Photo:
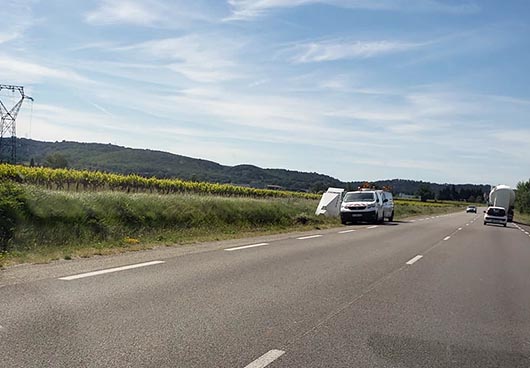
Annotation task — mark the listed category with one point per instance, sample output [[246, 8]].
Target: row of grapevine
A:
[[70, 179]]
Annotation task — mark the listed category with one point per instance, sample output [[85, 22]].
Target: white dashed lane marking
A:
[[346, 231], [309, 237], [415, 259], [266, 359], [246, 246], [109, 270]]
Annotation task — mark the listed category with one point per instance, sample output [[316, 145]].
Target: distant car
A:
[[495, 215], [471, 209]]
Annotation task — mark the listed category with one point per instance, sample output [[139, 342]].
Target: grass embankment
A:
[[522, 218], [48, 224], [406, 208], [51, 224]]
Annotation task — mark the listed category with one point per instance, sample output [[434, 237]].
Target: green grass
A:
[[60, 224], [55, 224], [409, 209], [523, 218]]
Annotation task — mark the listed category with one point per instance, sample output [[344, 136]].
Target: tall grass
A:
[[58, 218]]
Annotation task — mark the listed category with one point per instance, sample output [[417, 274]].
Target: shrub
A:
[[12, 207]]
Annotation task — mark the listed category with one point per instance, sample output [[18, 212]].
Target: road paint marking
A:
[[527, 233], [447, 238], [372, 227], [412, 220], [309, 237], [415, 259], [266, 359], [346, 231], [421, 219], [246, 246], [109, 270], [459, 228], [467, 224]]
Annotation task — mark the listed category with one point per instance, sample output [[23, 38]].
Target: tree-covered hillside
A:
[[123, 160]]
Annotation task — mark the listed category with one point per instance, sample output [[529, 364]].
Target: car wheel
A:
[[391, 218], [485, 223], [504, 225]]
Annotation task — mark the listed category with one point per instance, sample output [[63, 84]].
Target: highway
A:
[[440, 291]]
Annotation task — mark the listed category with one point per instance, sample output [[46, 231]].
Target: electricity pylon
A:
[[8, 122]]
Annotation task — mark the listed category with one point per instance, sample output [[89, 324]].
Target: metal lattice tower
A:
[[8, 123]]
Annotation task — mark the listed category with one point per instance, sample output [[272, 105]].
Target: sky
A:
[[434, 90]]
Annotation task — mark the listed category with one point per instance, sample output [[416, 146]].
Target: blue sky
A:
[[432, 90]]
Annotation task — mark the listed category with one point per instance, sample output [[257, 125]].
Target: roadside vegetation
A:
[[522, 202], [44, 222], [49, 214]]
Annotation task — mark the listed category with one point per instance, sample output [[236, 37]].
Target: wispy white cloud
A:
[[331, 50], [201, 58], [21, 71], [248, 9], [153, 13], [125, 11], [18, 17]]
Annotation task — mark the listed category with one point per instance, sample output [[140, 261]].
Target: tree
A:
[[522, 197], [425, 192], [56, 161]]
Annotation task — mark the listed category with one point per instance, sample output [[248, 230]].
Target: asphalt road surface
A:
[[443, 291]]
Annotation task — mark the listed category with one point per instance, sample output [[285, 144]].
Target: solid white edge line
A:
[[346, 231], [109, 270], [372, 227], [415, 259], [447, 238], [266, 359], [309, 237], [246, 246]]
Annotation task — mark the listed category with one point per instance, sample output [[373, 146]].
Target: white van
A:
[[367, 205]]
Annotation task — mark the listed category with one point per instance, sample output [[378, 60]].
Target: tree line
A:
[[522, 197], [451, 193]]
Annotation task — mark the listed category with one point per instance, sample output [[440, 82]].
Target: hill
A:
[[124, 160]]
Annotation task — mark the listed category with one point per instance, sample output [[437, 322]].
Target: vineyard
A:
[[84, 180]]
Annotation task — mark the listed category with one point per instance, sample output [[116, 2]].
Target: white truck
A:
[[503, 196]]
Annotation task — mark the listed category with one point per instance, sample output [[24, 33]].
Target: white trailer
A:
[[330, 203], [503, 196]]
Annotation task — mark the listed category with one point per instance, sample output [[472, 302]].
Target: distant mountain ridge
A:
[[124, 160]]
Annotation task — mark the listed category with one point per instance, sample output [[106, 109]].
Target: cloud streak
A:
[[249, 9], [332, 50], [21, 71], [150, 13], [199, 58], [125, 11]]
